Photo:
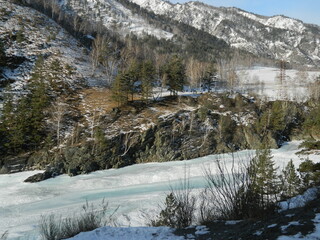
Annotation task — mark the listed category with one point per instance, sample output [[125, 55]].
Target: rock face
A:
[[172, 129], [198, 127]]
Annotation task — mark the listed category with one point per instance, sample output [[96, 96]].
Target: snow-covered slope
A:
[[114, 15], [40, 36], [277, 37]]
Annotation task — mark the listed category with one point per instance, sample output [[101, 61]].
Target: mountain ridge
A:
[[278, 37]]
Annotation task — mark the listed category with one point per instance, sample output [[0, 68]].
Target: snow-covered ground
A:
[[137, 189], [265, 81], [113, 14], [261, 81], [312, 236], [131, 233]]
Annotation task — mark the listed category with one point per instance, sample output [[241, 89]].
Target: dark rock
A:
[[51, 172], [38, 177]]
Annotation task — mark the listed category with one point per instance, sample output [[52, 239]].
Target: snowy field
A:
[[136, 189], [265, 81], [262, 81]]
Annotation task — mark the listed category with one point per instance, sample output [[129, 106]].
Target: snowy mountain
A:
[[28, 34], [276, 37], [114, 15]]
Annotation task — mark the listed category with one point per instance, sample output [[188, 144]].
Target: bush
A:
[[178, 210], [311, 124], [20, 37], [310, 173], [226, 193], [311, 145], [54, 228], [239, 191]]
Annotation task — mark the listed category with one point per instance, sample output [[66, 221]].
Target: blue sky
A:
[[305, 10]]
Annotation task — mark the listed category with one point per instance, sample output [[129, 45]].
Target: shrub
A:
[[178, 210], [311, 124], [20, 37], [310, 173], [54, 228], [311, 145], [2, 54], [239, 191]]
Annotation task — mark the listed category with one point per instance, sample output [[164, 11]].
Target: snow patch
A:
[[130, 233], [300, 200]]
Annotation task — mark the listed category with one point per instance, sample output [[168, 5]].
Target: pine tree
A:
[[6, 122], [290, 181], [208, 78], [2, 54], [310, 173], [55, 75], [38, 100], [274, 118], [120, 88], [23, 121], [263, 175], [38, 71], [175, 74], [100, 139], [133, 78], [20, 36], [167, 216], [147, 79]]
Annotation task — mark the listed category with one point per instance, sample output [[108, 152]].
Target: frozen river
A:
[[137, 190]]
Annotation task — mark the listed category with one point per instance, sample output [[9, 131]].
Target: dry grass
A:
[[97, 98], [54, 227], [100, 99]]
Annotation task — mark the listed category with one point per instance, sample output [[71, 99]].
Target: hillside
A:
[[126, 22], [27, 35], [276, 37], [106, 105]]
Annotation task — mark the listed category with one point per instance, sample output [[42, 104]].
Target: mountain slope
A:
[[28, 34], [112, 14], [276, 37]]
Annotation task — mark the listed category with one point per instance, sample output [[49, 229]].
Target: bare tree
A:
[[59, 111], [129, 140], [105, 52], [221, 197]]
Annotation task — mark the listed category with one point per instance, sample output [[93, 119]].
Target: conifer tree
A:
[[147, 79], [167, 216], [20, 36], [120, 89], [133, 77], [264, 177], [274, 118], [6, 122], [38, 71], [290, 181], [56, 72], [23, 120], [2, 54], [208, 78], [175, 74]]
